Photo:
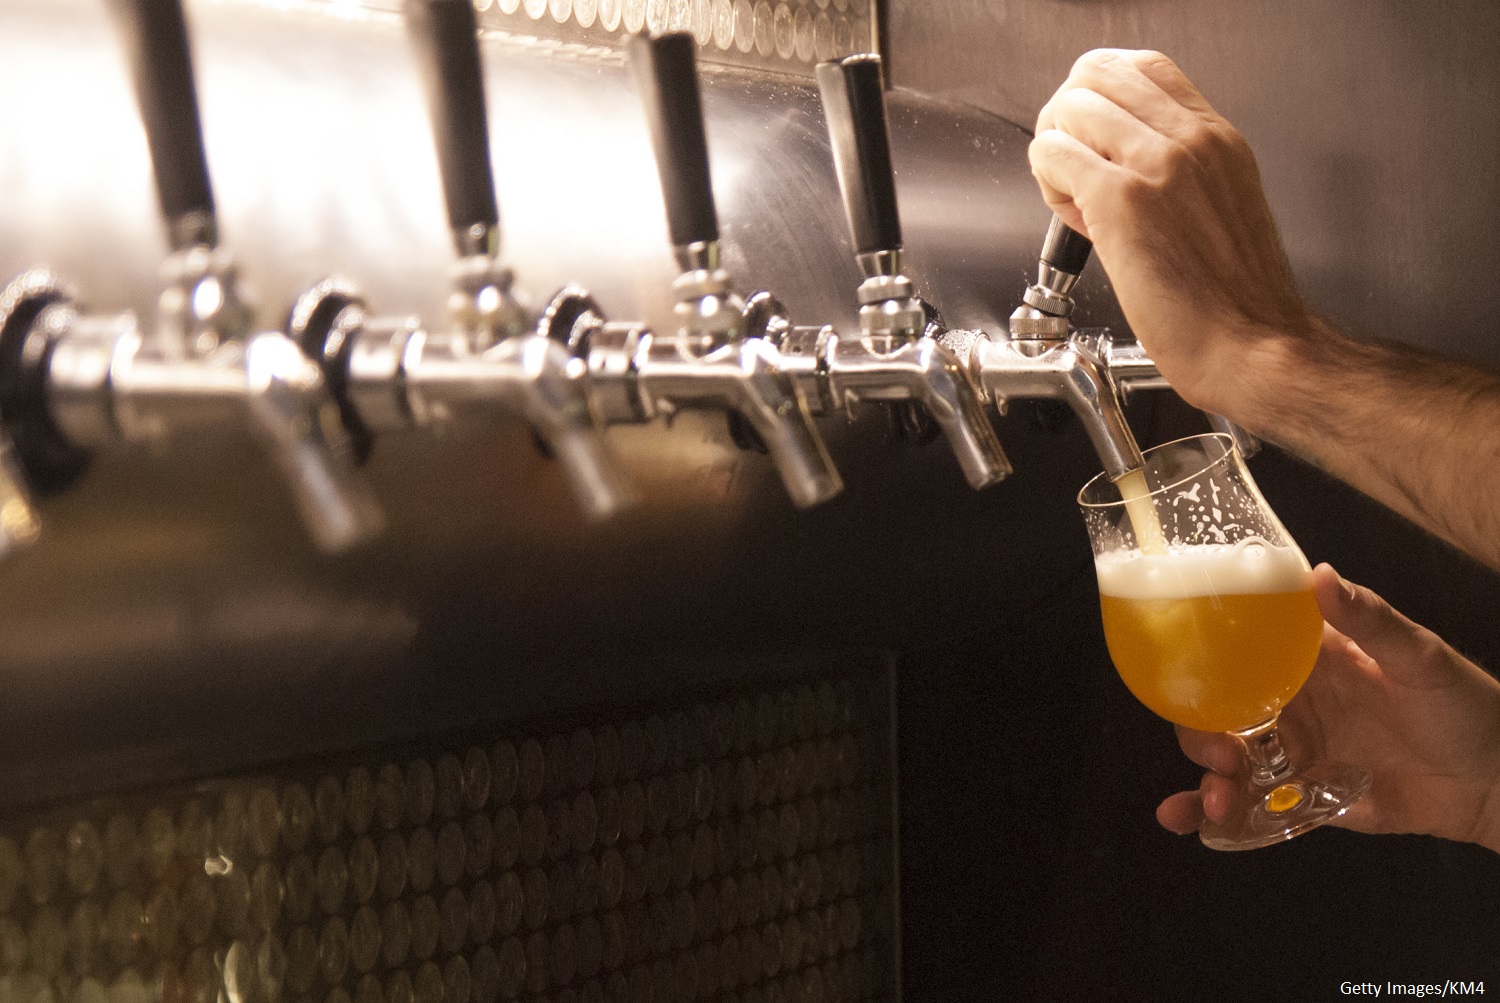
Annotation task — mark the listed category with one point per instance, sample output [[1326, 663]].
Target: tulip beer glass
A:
[[1211, 622]]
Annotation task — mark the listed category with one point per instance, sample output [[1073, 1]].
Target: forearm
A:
[[1418, 433]]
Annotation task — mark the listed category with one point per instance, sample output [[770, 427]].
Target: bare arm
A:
[[1417, 432], [1130, 154]]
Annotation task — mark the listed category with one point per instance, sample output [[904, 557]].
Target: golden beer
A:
[[1213, 638]]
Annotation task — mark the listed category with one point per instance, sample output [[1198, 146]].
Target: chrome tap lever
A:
[[497, 353], [707, 362], [667, 77], [99, 379], [1048, 304], [444, 37], [394, 373], [1040, 357], [895, 358], [157, 47], [202, 346], [853, 95]]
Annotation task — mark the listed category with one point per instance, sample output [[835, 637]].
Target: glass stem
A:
[[1269, 764]]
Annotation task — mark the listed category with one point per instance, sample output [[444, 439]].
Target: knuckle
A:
[[1097, 61], [1150, 59], [1138, 191], [1213, 142], [1074, 101]]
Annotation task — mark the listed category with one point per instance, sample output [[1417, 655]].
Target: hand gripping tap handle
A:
[[1068, 251], [156, 42], [445, 37], [667, 78], [854, 106]]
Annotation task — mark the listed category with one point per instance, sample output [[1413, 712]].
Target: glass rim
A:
[[1222, 437]]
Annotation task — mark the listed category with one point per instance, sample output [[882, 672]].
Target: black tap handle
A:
[[1066, 249], [445, 35], [668, 80], [160, 56], [854, 107]]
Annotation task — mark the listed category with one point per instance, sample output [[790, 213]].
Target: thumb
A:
[[1398, 645]]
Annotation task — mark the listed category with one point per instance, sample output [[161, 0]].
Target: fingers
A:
[[1181, 813], [1146, 85], [1211, 750], [1067, 170], [1186, 811], [1100, 124], [1220, 755], [1402, 648]]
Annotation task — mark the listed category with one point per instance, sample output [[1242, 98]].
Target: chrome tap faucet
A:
[[1043, 356], [20, 304], [394, 374], [708, 361], [896, 357], [100, 379]]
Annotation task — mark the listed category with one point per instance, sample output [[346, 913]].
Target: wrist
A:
[[1256, 377]]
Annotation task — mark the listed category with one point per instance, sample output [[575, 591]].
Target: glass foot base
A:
[[1265, 815]]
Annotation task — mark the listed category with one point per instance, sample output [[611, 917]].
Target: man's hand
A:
[[1391, 697], [1129, 154]]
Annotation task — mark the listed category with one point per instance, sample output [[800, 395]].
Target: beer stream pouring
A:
[[393, 373], [89, 381]]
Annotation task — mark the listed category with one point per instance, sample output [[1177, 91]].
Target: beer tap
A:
[[1042, 356], [897, 356], [708, 362], [20, 304], [393, 374], [87, 381]]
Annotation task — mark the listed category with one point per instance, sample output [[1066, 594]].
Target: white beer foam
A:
[[1250, 567]]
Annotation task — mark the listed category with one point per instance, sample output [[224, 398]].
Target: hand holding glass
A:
[[1211, 622]]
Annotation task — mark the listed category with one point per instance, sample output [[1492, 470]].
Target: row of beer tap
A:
[[320, 391]]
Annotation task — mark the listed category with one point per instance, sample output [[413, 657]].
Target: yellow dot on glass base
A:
[[1284, 798]]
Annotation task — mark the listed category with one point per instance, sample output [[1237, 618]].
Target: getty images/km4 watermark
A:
[[1440, 989]]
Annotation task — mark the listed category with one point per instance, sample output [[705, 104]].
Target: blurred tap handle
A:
[[1065, 249], [445, 37], [854, 107], [156, 42], [667, 77]]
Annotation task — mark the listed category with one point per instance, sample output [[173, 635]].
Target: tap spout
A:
[[926, 371], [1067, 371], [532, 376], [744, 376]]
